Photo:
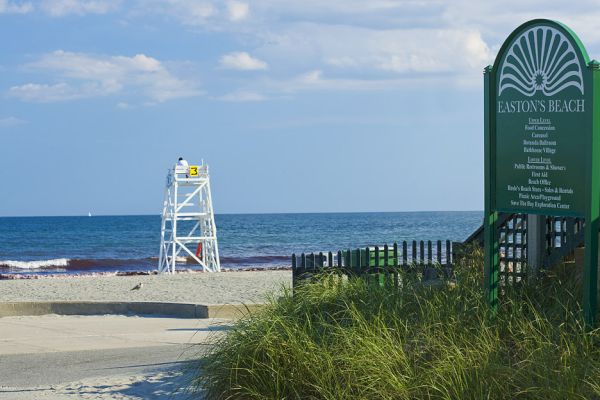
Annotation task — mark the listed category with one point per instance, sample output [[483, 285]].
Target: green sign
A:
[[543, 86], [542, 141]]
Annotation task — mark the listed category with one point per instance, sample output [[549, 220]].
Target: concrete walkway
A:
[[102, 357], [53, 333]]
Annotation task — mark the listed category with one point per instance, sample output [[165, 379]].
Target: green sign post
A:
[[542, 140]]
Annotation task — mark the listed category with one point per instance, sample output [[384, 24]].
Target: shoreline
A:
[[69, 275]]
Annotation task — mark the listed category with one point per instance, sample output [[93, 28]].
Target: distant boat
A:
[[89, 214]]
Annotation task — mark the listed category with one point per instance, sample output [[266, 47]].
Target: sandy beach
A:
[[219, 288], [107, 343]]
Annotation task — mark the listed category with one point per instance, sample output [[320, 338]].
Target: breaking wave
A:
[[54, 263], [72, 264], [142, 264]]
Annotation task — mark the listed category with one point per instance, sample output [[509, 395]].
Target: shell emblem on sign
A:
[[541, 59]]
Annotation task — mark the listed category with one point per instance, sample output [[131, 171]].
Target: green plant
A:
[[347, 339]]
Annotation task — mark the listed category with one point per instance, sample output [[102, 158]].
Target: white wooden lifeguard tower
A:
[[188, 227]]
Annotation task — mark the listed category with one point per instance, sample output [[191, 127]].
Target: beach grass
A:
[[350, 339]]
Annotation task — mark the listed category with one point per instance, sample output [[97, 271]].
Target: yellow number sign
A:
[[193, 170]]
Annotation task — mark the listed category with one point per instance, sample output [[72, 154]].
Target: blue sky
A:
[[309, 106]]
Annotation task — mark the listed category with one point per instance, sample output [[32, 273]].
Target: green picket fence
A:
[[381, 262]]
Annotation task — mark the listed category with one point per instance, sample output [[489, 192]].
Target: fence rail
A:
[[562, 236], [427, 257]]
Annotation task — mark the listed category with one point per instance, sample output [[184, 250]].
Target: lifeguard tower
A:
[[188, 230]]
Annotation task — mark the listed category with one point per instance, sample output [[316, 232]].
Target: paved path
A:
[[68, 357], [52, 333], [24, 374]]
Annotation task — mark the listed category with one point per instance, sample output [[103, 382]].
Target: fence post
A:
[[302, 272], [386, 265], [449, 254], [321, 270], [294, 272], [405, 255], [377, 269], [439, 257], [367, 263], [349, 262], [395, 264], [320, 265], [422, 255], [429, 260], [414, 254]]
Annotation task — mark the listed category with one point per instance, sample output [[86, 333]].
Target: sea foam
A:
[[57, 262]]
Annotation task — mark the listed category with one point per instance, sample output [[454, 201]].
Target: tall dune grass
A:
[[338, 339]]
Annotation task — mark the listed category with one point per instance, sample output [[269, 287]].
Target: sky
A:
[[297, 106]]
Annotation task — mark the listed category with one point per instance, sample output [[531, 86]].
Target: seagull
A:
[[138, 286]]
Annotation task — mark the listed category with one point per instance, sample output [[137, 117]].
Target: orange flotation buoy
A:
[[199, 250]]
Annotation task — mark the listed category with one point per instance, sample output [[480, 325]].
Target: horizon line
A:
[[242, 213]]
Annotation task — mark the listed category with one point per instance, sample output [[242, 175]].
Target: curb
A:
[[176, 310]]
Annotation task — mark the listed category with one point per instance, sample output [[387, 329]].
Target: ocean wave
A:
[[149, 263], [54, 263], [74, 264]]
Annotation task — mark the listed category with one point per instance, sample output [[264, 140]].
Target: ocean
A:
[[102, 244]]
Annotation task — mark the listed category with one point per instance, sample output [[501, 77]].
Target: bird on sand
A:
[[138, 286]]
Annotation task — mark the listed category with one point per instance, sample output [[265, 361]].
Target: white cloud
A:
[[211, 15], [47, 93], [375, 40], [242, 96], [11, 7], [188, 12], [398, 53], [367, 54], [81, 75], [11, 121], [59, 8], [310, 77], [317, 81], [237, 10], [242, 61], [352, 43]]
